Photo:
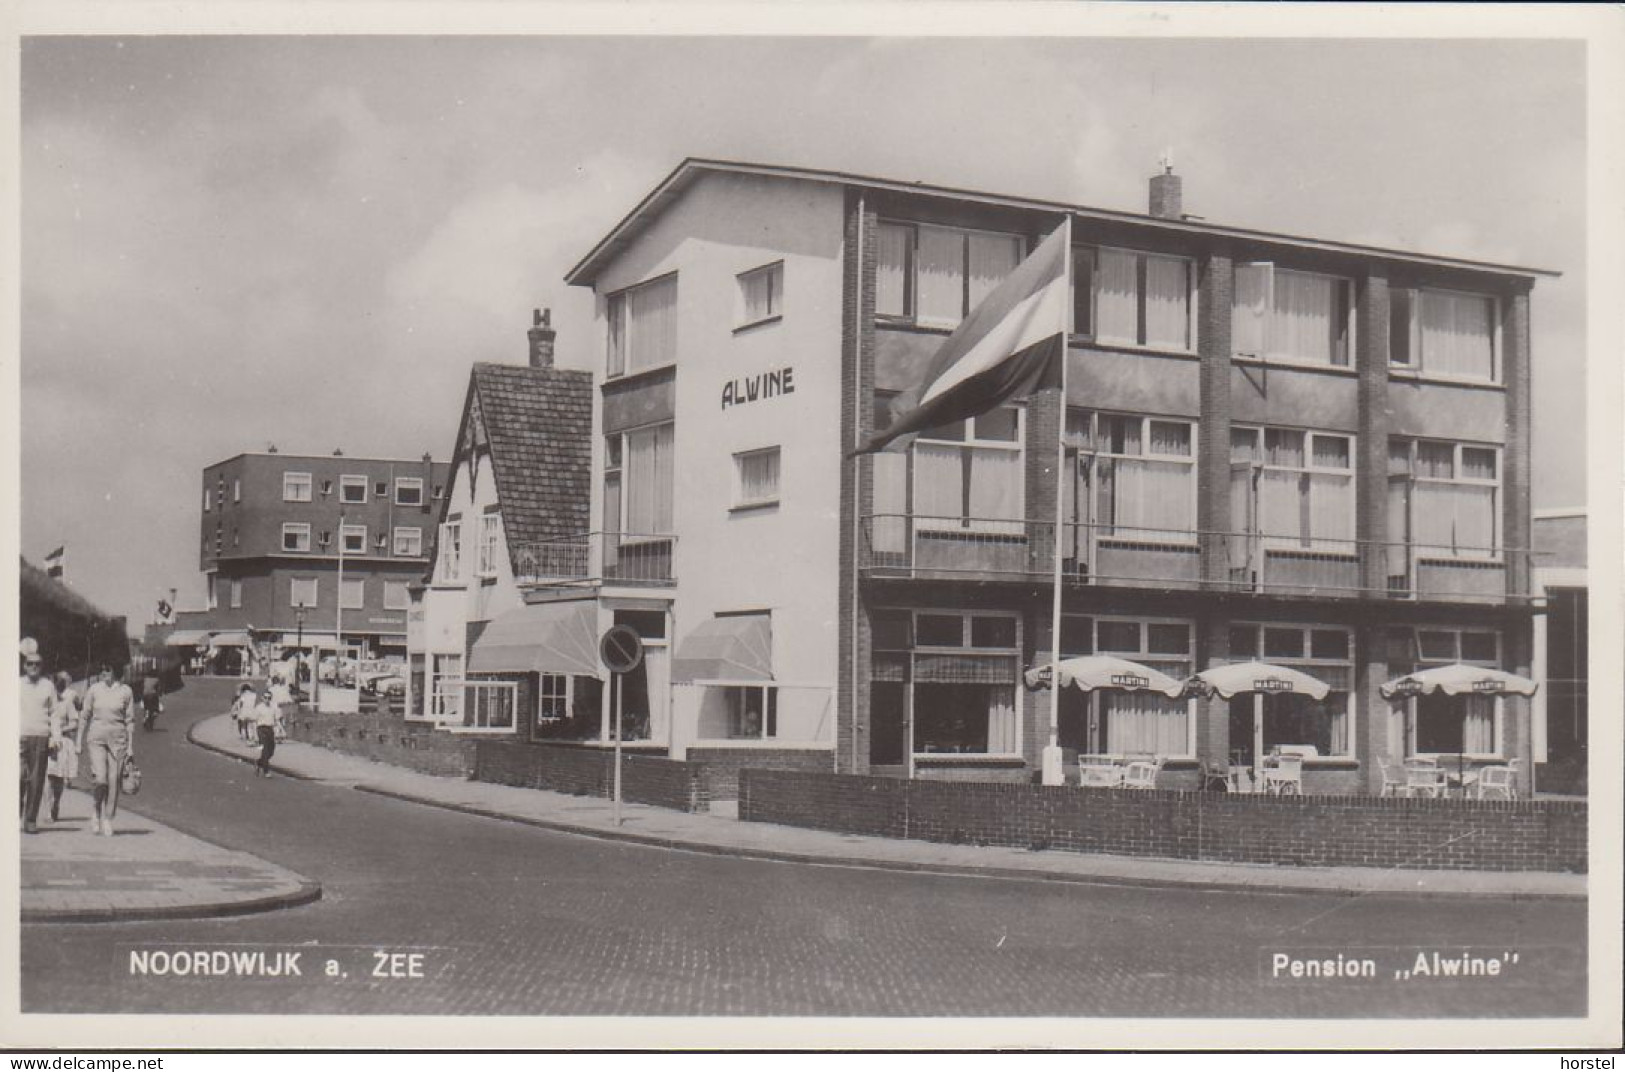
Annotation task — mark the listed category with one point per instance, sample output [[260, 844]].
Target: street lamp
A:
[[299, 650]]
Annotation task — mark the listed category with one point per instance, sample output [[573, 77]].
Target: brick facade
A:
[[1310, 831]]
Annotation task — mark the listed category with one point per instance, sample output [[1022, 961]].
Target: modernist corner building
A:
[[1277, 449], [319, 549]]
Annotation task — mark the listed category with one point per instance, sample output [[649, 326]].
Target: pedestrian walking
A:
[[282, 700], [64, 765], [265, 725], [152, 700], [106, 736], [34, 735], [242, 712]]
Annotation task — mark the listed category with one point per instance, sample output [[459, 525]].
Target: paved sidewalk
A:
[[145, 871], [723, 834]]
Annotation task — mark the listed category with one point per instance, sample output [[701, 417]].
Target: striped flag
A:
[[56, 562], [1006, 348]]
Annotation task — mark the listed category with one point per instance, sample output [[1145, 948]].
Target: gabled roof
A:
[[586, 272], [537, 425]]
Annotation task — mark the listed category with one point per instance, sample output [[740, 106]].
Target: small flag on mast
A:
[[1006, 348], [56, 562]]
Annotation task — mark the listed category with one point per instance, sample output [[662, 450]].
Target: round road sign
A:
[[621, 648]]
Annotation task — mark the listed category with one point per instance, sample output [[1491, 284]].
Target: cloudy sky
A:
[[231, 242]]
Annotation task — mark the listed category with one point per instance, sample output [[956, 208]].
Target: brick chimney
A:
[[1167, 199], [541, 338]]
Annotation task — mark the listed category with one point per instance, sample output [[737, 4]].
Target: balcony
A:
[[596, 560], [902, 546]]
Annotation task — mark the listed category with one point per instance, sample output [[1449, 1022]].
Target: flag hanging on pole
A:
[[1005, 349], [56, 562]]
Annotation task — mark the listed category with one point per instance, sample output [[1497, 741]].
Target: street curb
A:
[[1017, 873], [191, 738], [307, 893]]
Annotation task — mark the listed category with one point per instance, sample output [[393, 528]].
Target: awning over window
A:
[[187, 638], [540, 638], [735, 648], [229, 640]]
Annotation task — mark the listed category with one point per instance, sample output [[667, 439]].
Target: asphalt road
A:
[[509, 919]]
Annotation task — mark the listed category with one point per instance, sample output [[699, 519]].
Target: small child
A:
[[242, 709]]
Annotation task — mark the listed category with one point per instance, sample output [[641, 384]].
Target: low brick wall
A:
[[645, 779], [1319, 831], [387, 738], [720, 766]]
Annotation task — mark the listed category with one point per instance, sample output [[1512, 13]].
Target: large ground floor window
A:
[[951, 676], [569, 707], [1436, 724], [1261, 723], [1114, 722]]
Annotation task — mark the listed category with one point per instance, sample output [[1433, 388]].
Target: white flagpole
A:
[[1053, 772]]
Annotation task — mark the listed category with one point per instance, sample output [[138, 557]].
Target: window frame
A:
[[1308, 662], [774, 273], [619, 469], [348, 531], [356, 584], [1086, 256], [347, 482], [619, 334], [1419, 662], [1496, 551], [237, 489], [296, 529], [414, 532], [911, 288], [1091, 446], [967, 635], [294, 585], [490, 538], [235, 594], [1343, 297], [206, 498], [404, 482], [1304, 540], [292, 480], [1141, 655], [740, 502], [971, 442], [449, 552], [1415, 363], [404, 602]]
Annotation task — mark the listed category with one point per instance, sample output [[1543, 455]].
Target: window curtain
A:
[[1303, 317], [891, 271], [652, 313], [1279, 503], [1167, 303], [890, 531], [1478, 725], [995, 489], [649, 476], [1331, 511], [992, 257], [1457, 335], [1147, 721], [939, 489], [759, 294], [1116, 297], [759, 476], [1002, 735], [1249, 310], [1152, 499], [1455, 518], [939, 276], [615, 313]]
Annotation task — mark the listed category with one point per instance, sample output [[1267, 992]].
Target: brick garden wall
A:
[[719, 767], [1319, 831], [665, 783], [385, 737]]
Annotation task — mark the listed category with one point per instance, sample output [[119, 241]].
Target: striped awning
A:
[[734, 648], [187, 638], [539, 638]]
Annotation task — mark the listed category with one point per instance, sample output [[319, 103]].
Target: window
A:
[[296, 487], [450, 568], [1113, 722], [553, 698], [408, 542], [756, 477], [354, 539], [1297, 317], [206, 499], [439, 492], [353, 489], [381, 489], [1261, 722], [302, 592], [446, 688], [968, 475], [1135, 477], [1124, 298], [638, 478], [295, 536], [1293, 488], [211, 596], [1443, 333], [642, 327], [753, 712], [1444, 498], [490, 540], [1437, 724], [236, 491], [408, 491], [353, 593], [396, 596], [957, 673], [761, 294], [937, 275], [236, 595]]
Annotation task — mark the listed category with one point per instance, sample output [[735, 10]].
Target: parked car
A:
[[392, 686]]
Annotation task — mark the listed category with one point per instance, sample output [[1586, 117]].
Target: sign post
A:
[[621, 649]]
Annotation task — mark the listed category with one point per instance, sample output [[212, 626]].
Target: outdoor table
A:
[[1100, 774]]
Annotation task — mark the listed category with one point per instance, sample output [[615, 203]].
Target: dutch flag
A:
[[56, 562]]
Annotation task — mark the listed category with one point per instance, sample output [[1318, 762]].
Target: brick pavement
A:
[[721, 833], [145, 871]]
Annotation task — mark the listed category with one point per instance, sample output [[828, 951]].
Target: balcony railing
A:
[[1133, 556], [593, 559]]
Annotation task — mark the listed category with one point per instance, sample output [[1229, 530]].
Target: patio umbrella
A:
[[1235, 679], [1090, 672], [1459, 680]]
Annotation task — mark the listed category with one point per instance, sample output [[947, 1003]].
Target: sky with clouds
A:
[[229, 242]]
